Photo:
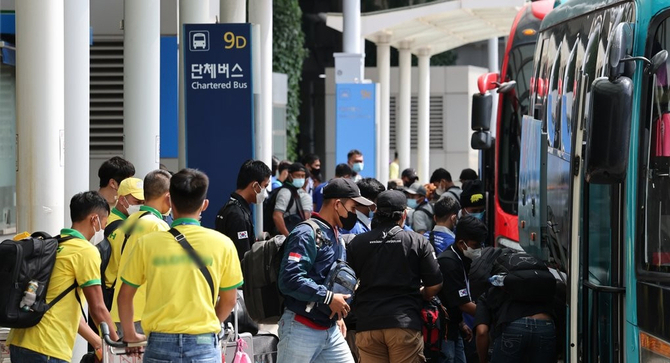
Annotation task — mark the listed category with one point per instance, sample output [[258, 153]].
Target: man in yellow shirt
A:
[[52, 339], [181, 315], [130, 198], [148, 219]]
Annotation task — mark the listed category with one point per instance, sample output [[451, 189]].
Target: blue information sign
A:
[[219, 105], [356, 124]]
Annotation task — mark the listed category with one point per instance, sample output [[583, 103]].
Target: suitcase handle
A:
[[120, 344]]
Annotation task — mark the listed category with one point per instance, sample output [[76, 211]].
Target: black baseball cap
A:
[[409, 173], [345, 188], [391, 201], [296, 167]]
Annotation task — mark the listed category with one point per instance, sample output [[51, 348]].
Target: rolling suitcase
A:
[[265, 348], [233, 343]]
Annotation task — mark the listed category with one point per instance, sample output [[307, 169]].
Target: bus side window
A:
[[656, 255]]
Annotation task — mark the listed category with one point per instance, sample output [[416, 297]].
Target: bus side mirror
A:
[[482, 108], [608, 130], [481, 140]]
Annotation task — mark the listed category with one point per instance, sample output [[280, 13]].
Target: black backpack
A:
[[21, 262], [527, 279], [260, 268], [269, 207], [105, 249]]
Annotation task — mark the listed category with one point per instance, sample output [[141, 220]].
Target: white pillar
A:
[[403, 118], [384, 71], [423, 132], [351, 30], [77, 100], [40, 106], [260, 12], [233, 11], [141, 83], [190, 12], [493, 67]]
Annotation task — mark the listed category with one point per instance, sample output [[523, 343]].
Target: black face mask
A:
[[315, 172], [349, 221]]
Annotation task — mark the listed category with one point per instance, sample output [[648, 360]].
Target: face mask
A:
[[316, 172], [349, 221], [371, 215], [440, 191], [298, 183], [133, 208], [358, 167], [260, 197], [479, 215], [472, 253], [99, 234], [412, 203]]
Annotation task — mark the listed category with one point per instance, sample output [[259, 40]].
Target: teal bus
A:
[[594, 177]]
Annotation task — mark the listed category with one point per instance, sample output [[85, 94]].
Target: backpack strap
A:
[[181, 239], [296, 197], [318, 233], [47, 306], [390, 234], [450, 191], [431, 239], [426, 212], [125, 240]]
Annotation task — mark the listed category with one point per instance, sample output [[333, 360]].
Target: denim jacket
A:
[[304, 269]]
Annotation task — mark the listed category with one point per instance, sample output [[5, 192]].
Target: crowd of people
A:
[[409, 242]]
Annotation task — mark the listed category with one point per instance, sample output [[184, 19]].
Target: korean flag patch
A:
[[242, 235], [463, 293]]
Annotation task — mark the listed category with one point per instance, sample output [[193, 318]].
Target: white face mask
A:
[[99, 234], [260, 197], [472, 253], [133, 208]]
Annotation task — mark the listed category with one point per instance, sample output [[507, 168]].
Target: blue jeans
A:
[[182, 348], [453, 351], [299, 343], [18, 354], [526, 339]]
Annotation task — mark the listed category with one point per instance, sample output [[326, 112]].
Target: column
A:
[[77, 100], [233, 11], [141, 83], [403, 118], [260, 12], [493, 67], [384, 70], [190, 12], [351, 28], [423, 140], [40, 113]]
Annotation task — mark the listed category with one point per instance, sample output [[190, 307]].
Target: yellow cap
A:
[[133, 186]]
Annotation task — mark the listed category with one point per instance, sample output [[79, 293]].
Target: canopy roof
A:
[[437, 26]]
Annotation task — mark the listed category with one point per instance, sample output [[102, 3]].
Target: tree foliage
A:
[[288, 54]]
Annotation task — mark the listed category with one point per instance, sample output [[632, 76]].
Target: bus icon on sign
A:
[[199, 40]]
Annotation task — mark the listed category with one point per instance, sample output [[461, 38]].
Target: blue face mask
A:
[[358, 167], [298, 183], [371, 214], [412, 203], [479, 215]]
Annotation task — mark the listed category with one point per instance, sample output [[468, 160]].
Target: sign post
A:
[[219, 105]]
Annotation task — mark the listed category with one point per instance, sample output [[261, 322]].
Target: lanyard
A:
[[467, 281]]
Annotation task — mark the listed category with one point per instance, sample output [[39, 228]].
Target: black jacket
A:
[[234, 220]]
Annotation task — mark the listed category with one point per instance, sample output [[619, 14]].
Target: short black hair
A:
[[440, 174], [446, 207], [156, 183], [353, 152], [188, 189], [381, 218], [283, 165], [116, 168], [310, 158], [370, 188], [470, 228], [252, 171], [85, 203], [342, 170]]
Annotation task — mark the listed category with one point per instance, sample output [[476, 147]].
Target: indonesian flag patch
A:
[[295, 257]]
